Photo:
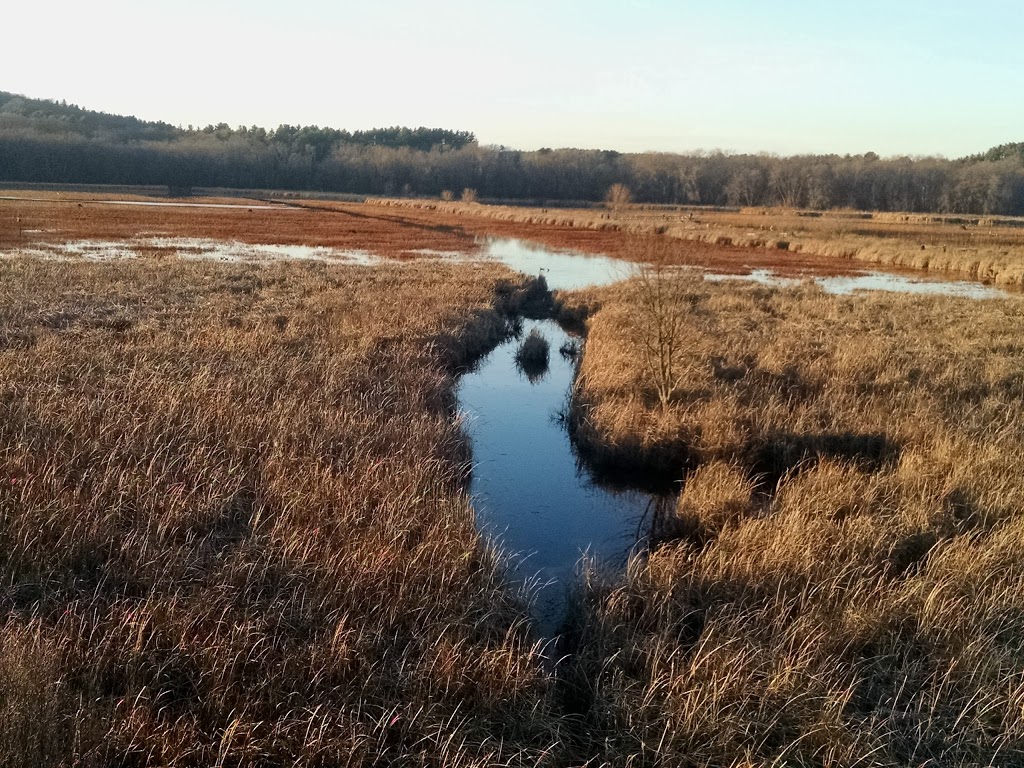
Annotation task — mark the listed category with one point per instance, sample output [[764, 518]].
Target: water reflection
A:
[[529, 492], [845, 285], [154, 203], [563, 270], [194, 248], [532, 356]]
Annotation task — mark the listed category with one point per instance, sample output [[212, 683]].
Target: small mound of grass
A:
[[533, 355]]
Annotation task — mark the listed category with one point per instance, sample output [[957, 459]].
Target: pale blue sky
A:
[[787, 77]]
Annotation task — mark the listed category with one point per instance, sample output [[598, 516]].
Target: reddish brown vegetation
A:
[[384, 230]]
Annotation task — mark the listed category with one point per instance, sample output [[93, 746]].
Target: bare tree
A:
[[618, 197], [664, 302], [468, 195]]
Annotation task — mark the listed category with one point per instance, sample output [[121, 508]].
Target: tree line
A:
[[44, 141]]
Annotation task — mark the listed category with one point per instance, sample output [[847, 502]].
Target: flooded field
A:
[[872, 281], [155, 203], [204, 249], [569, 270], [564, 270]]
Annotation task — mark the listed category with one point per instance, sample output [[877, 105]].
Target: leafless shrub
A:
[[618, 197]]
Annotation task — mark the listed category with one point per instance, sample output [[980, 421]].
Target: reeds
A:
[[835, 585], [532, 356], [232, 540]]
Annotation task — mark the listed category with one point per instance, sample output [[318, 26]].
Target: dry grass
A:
[[532, 356], [840, 582], [233, 526]]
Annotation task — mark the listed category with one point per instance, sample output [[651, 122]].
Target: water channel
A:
[[532, 493]]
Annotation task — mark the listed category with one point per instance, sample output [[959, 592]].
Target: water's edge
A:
[[533, 491]]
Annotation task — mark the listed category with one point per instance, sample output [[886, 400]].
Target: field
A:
[[233, 524], [382, 227], [235, 530], [839, 582]]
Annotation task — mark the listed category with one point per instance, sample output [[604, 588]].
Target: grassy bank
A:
[[233, 526], [840, 582]]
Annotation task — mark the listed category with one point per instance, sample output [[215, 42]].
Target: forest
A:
[[44, 141]]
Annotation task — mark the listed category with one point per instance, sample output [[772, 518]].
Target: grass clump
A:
[[532, 356], [714, 496]]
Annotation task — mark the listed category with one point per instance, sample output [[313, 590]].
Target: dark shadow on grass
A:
[[772, 458]]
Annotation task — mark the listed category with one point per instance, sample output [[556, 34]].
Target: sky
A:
[[896, 78]]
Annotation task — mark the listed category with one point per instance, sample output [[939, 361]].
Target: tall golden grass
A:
[[839, 582], [234, 529], [233, 526]]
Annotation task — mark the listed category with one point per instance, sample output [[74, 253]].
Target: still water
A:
[[563, 270], [874, 281], [570, 270], [529, 491]]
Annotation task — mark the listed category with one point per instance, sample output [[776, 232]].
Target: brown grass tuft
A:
[[714, 496]]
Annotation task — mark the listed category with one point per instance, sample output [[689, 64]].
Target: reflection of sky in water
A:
[[253, 207], [563, 270], [202, 249], [221, 250], [162, 204], [568, 270], [873, 281], [879, 281], [527, 491], [87, 250]]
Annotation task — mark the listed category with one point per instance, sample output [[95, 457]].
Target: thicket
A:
[[53, 143]]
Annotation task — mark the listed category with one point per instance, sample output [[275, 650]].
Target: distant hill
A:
[[51, 117], [46, 117]]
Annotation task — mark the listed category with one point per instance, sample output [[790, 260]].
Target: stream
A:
[[533, 495]]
